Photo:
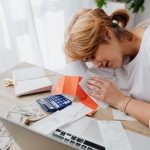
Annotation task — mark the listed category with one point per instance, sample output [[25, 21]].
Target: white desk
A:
[[7, 99]]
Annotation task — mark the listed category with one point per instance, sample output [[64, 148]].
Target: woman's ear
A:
[[108, 34]]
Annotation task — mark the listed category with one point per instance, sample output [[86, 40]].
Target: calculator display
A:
[[53, 103]]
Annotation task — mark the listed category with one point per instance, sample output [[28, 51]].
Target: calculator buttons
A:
[[54, 102], [49, 105]]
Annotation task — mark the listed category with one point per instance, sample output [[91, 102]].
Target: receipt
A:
[[118, 115], [60, 118], [114, 136]]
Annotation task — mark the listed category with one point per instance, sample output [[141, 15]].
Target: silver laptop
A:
[[72, 136], [83, 134]]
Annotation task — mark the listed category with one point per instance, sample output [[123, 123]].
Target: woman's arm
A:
[[107, 92], [139, 110]]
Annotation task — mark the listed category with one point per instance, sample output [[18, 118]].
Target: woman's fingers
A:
[[98, 88], [98, 79], [93, 82], [97, 96], [96, 82], [94, 88], [95, 85]]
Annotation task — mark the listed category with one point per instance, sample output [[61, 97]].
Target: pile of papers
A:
[[61, 118], [30, 80]]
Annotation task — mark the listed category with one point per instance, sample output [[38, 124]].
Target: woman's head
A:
[[96, 36]]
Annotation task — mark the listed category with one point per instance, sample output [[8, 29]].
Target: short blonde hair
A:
[[89, 30]]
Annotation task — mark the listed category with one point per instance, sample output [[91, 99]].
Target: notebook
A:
[[30, 80]]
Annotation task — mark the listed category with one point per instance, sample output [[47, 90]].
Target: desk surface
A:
[[8, 99]]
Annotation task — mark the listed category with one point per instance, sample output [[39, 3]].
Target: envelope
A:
[[89, 103], [70, 85]]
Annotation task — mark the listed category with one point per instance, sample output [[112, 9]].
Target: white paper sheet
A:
[[32, 86], [114, 136], [28, 73], [118, 115], [60, 118], [76, 68], [83, 83], [106, 73]]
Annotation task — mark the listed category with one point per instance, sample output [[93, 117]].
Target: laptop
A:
[[69, 137]]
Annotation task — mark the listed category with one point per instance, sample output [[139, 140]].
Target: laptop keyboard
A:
[[75, 141]]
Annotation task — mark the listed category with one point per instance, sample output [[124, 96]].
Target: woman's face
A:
[[109, 55]]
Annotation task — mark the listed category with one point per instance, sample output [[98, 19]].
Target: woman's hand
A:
[[105, 91]]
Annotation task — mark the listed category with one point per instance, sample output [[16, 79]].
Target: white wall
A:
[[140, 16]]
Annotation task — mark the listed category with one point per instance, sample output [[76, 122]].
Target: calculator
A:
[[53, 103]]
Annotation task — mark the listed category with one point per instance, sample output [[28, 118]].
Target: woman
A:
[[94, 36]]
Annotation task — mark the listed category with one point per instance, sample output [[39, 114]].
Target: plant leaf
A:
[[100, 3]]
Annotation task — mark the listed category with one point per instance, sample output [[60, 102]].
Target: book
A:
[[30, 80]]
